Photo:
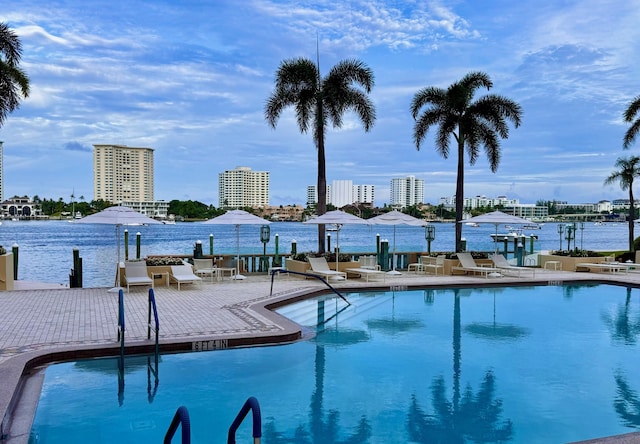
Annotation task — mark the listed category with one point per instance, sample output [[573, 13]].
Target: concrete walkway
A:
[[39, 325]]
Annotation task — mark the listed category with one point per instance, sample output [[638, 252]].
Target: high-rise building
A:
[[242, 187], [122, 173], [341, 193], [406, 191]]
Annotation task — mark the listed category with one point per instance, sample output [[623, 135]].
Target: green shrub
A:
[[166, 261]]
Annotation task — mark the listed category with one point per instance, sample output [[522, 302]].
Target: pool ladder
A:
[[181, 418]]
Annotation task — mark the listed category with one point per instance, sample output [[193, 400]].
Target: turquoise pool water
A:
[[520, 364]]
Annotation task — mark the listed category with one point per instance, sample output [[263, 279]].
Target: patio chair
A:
[[468, 265], [320, 267], [135, 273], [204, 268], [435, 264], [368, 267], [183, 274], [500, 262]]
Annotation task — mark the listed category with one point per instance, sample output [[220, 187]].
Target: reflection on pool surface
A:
[[521, 365]]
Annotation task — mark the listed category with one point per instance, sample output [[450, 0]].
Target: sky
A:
[[190, 79]]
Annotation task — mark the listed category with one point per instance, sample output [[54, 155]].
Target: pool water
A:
[[507, 364]]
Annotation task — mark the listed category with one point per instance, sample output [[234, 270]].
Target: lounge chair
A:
[[320, 267], [468, 265], [183, 274], [435, 264], [135, 273], [368, 267], [204, 268], [500, 262], [612, 267]]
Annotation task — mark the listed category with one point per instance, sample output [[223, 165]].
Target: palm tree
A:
[[629, 115], [320, 100], [14, 83], [472, 123], [627, 171]]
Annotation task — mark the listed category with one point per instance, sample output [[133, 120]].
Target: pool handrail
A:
[[181, 417], [152, 306], [250, 404], [274, 272], [121, 327]]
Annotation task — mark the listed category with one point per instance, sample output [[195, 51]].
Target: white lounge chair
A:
[[320, 267], [183, 274], [468, 265], [430, 263], [204, 268], [135, 273], [500, 262], [368, 267]]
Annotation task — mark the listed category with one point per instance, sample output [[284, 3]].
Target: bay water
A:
[[45, 248]]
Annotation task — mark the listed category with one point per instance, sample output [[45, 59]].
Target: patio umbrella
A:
[[237, 218], [394, 218], [497, 218], [337, 218], [118, 216]]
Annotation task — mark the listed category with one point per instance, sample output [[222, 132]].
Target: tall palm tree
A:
[[632, 115], [627, 170], [14, 83], [318, 101], [472, 123]]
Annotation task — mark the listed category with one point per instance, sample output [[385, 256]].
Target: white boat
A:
[[78, 215], [511, 235], [532, 227], [169, 222], [472, 224]]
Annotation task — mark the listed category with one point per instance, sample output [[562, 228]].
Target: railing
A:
[[180, 418], [250, 404], [121, 327], [153, 369], [274, 272]]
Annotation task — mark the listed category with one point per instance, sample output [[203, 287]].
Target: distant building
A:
[[242, 187], [20, 208], [406, 191], [343, 192], [122, 173]]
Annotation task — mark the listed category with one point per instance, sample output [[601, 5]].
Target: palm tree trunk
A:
[[322, 175], [460, 192], [632, 217]]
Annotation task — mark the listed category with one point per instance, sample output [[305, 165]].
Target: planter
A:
[[297, 266], [568, 263], [6, 271]]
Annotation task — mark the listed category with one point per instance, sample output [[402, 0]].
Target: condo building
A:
[[242, 187], [406, 191], [122, 173], [342, 192]]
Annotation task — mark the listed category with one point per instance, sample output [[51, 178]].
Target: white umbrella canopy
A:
[[337, 218], [118, 216], [497, 218], [394, 218], [237, 218]]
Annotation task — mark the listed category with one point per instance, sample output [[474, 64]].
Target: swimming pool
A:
[[505, 364]]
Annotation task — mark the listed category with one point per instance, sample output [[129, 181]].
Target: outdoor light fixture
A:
[[429, 235], [265, 235], [560, 231]]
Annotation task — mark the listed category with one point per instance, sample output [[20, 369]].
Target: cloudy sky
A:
[[190, 79]]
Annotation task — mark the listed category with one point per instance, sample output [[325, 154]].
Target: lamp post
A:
[[560, 231], [581, 233], [265, 235], [570, 235], [429, 235]]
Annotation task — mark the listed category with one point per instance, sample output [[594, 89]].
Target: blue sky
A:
[[190, 79]]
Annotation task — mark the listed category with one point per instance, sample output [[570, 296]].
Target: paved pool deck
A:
[[42, 323]]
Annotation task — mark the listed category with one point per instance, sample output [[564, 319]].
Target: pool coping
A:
[[15, 371]]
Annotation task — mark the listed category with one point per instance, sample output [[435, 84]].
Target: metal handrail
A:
[[121, 327], [152, 306], [253, 405], [180, 418], [273, 273]]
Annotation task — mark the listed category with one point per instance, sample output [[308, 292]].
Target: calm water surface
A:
[[546, 364], [46, 247]]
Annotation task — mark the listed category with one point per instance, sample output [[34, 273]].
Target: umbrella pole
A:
[[238, 275], [117, 287], [393, 259]]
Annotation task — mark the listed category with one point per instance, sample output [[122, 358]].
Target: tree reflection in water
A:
[[467, 416], [627, 402], [323, 427]]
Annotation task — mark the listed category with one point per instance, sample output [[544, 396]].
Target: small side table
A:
[[556, 265], [161, 275]]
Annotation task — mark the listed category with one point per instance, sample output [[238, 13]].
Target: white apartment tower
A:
[[122, 173], [242, 187], [406, 191]]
